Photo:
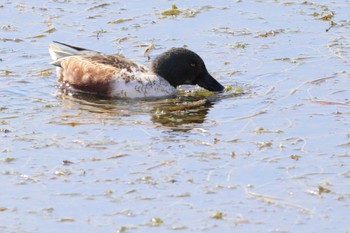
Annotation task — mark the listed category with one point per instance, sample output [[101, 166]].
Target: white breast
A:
[[140, 85]]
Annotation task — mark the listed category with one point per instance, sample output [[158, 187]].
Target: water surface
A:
[[273, 159]]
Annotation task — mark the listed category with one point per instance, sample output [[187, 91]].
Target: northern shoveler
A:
[[117, 76]]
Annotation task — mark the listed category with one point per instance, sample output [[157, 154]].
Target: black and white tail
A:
[[59, 51]]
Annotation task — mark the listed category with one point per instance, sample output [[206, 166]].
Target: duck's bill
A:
[[210, 84]]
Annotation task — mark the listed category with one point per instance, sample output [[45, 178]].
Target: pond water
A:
[[271, 155]]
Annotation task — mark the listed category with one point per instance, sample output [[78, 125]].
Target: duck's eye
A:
[[193, 65]]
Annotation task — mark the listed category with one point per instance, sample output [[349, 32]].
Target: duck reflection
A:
[[180, 112], [184, 112]]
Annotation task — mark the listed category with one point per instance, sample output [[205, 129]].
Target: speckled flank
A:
[[136, 84]]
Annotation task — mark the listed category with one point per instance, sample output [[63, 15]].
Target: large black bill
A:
[[210, 84]]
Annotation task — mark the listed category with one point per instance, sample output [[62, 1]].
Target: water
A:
[[274, 159]]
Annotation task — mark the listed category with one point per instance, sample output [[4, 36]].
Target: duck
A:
[[113, 75]]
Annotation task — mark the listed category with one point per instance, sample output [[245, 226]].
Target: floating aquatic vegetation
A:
[[331, 26], [321, 6], [315, 82], [194, 12], [8, 28], [60, 172], [49, 106], [121, 20], [251, 115], [94, 16], [196, 93], [323, 189], [238, 90], [330, 102], [156, 222], [182, 195], [94, 159], [233, 32], [297, 60], [174, 11], [11, 39], [66, 219], [122, 229], [66, 162], [71, 123], [262, 145], [99, 33], [36, 36], [218, 215], [239, 45], [235, 72], [345, 144], [324, 13], [148, 180], [295, 157], [340, 47], [45, 72], [49, 30], [102, 5], [108, 192], [149, 48], [277, 201], [261, 130], [7, 72], [8, 159], [117, 156], [270, 33], [228, 88], [327, 16], [164, 163], [120, 40]]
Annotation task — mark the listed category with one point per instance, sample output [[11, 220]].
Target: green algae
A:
[[218, 215], [174, 11], [121, 20]]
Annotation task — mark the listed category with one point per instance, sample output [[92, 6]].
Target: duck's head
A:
[[180, 66]]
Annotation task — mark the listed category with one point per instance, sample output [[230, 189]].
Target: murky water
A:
[[273, 159]]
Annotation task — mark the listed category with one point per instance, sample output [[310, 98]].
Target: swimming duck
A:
[[116, 76]]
